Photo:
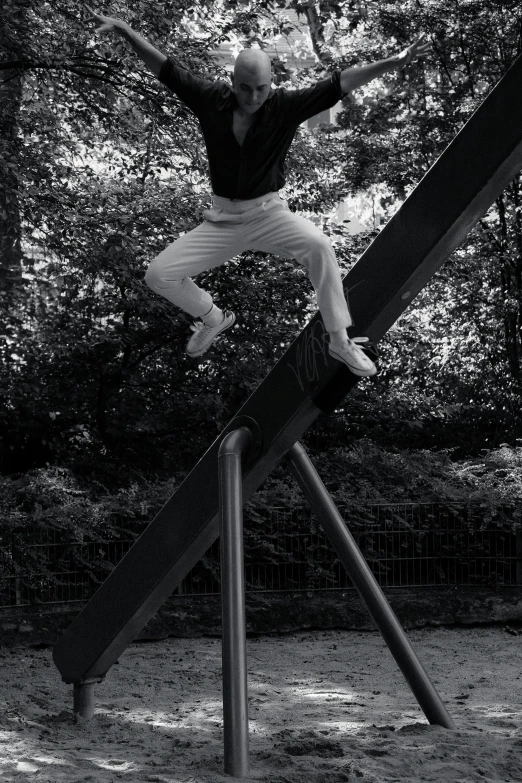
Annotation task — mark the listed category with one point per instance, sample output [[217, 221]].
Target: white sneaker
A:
[[353, 357], [204, 335]]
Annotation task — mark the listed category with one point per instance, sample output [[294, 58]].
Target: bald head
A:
[[253, 61], [252, 79]]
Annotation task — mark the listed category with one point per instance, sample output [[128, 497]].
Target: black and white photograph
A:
[[261, 391]]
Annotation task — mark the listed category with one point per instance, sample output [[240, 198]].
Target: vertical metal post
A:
[[84, 698], [368, 587], [235, 693]]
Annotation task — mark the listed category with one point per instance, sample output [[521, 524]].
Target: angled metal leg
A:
[[235, 693], [368, 588]]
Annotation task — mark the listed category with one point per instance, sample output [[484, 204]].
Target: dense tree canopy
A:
[[100, 168]]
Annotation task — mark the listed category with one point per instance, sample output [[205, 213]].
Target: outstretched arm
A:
[[351, 78], [151, 56]]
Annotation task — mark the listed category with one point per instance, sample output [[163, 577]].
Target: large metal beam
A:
[[459, 188]]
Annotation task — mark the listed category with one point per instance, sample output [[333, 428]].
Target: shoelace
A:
[[358, 340], [355, 342], [203, 330]]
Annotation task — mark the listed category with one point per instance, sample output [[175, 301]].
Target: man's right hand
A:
[[108, 24], [151, 56]]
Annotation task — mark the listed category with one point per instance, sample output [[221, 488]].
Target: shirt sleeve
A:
[[303, 104], [192, 90]]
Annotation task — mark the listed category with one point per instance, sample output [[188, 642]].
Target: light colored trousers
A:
[[232, 227]]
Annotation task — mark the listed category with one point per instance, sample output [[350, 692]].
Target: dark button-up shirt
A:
[[257, 167]]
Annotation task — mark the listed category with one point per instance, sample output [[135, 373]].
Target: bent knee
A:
[[155, 276], [152, 277]]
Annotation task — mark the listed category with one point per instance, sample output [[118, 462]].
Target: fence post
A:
[[18, 584], [518, 545]]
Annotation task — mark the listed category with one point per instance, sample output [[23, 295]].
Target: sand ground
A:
[[325, 707]]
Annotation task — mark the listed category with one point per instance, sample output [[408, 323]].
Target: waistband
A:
[[243, 205]]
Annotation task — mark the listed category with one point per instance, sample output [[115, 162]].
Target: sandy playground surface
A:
[[325, 707]]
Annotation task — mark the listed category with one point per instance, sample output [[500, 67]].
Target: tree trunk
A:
[[316, 31], [510, 276], [11, 85]]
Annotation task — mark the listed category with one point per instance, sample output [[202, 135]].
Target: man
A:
[[247, 130]]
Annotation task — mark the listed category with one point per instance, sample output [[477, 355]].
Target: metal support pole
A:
[[83, 698], [368, 587], [235, 693]]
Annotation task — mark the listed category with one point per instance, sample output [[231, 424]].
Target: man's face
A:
[[252, 86]]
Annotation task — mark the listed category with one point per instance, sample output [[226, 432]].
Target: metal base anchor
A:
[[83, 699]]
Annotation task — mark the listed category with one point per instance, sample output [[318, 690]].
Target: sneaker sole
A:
[[195, 354], [355, 370]]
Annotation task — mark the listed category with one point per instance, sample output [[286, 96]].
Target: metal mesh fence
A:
[[406, 545], [41, 566]]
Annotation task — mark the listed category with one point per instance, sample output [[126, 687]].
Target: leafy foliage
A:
[[58, 530], [100, 169], [460, 347]]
